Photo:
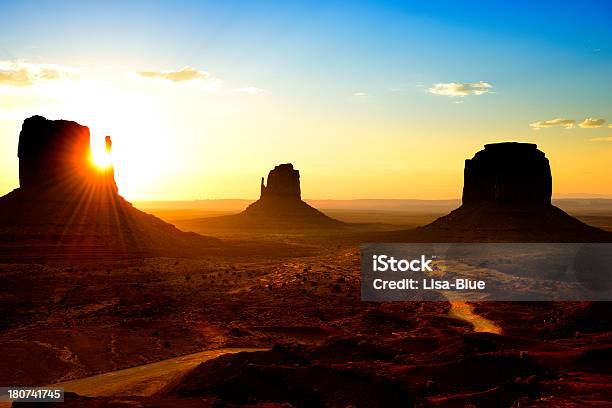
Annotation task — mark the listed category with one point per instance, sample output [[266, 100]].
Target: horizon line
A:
[[577, 196]]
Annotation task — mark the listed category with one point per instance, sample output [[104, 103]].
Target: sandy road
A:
[[143, 380], [464, 311]]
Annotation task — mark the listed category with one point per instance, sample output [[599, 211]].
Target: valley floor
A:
[[326, 347]]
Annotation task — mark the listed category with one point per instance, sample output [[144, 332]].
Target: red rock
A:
[[508, 173], [66, 207]]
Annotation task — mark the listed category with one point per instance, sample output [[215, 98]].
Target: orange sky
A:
[[381, 101]]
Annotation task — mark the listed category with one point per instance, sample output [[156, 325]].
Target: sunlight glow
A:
[[101, 159]]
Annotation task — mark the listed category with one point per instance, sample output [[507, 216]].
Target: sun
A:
[[101, 160], [102, 157]]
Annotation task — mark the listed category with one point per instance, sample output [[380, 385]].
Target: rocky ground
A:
[[327, 347]]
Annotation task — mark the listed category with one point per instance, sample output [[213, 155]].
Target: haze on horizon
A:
[[368, 100]]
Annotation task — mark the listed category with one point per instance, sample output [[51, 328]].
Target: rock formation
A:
[[55, 158], [280, 206], [66, 206], [50, 151], [283, 183], [506, 197], [508, 173]]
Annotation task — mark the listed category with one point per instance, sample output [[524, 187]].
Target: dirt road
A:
[[464, 311], [142, 380]]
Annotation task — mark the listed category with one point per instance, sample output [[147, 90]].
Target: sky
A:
[[367, 99]]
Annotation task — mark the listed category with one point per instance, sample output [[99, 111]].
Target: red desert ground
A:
[[261, 306]]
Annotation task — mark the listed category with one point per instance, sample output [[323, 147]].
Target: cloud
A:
[[601, 139], [182, 75], [253, 90], [588, 123], [360, 95], [591, 123], [15, 77], [22, 74], [460, 89], [543, 124]]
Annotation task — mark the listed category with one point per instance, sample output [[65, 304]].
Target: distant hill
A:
[[595, 205]]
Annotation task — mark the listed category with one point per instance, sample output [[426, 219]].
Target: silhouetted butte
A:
[[67, 207], [506, 197], [280, 206], [512, 173]]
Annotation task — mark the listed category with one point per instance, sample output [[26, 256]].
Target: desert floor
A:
[[60, 323]]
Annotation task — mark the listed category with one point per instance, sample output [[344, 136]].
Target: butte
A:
[[280, 207], [66, 207], [506, 198]]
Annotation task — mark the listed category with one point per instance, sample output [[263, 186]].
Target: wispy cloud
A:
[[22, 74], [360, 95], [543, 124], [601, 139], [588, 123], [182, 75], [253, 90], [591, 123], [461, 89]]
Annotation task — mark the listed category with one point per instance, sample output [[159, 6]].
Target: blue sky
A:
[[355, 71]]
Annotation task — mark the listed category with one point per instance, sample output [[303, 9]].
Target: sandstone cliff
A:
[[66, 207], [283, 183], [508, 173]]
